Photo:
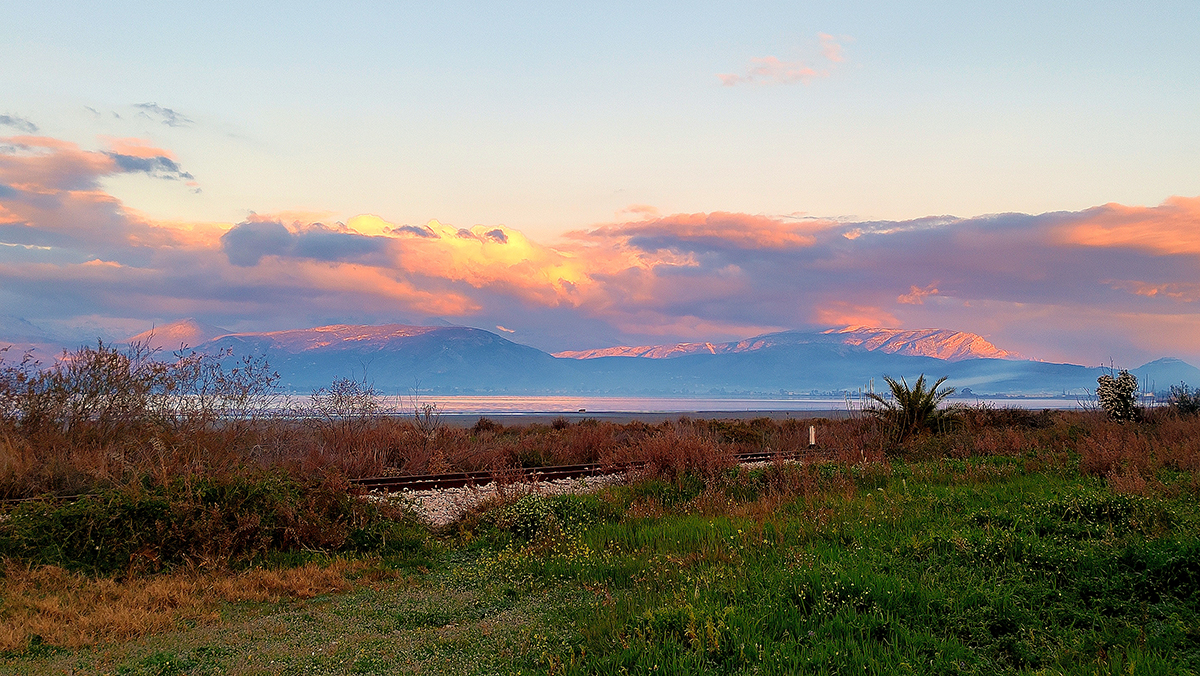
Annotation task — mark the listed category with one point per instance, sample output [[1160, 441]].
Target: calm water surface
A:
[[467, 405]]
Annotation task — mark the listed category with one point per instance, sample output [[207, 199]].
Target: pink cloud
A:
[[831, 48], [1171, 227], [136, 147], [717, 229], [843, 313], [1049, 285], [917, 295], [773, 70]]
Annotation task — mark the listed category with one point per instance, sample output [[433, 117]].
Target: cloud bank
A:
[[1114, 280]]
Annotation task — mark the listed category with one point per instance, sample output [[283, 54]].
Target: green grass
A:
[[946, 567]]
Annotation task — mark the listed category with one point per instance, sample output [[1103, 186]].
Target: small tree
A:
[[1184, 400], [1118, 396], [911, 410], [345, 409]]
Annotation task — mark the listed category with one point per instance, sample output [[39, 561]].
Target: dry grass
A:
[[32, 465], [72, 610]]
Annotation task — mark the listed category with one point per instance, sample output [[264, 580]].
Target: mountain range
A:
[[937, 343], [461, 360], [397, 358]]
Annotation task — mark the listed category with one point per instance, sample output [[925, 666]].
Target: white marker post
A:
[[812, 436]]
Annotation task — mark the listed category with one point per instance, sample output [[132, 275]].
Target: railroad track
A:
[[424, 482]]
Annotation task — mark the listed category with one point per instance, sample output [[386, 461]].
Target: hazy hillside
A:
[[397, 357], [455, 359]]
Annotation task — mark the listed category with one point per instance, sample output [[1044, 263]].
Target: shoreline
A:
[[623, 417]]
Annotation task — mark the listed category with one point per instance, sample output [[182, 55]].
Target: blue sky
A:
[[551, 116]]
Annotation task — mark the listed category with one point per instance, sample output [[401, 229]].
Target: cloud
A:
[[831, 49], [1170, 228], [843, 313], [1113, 280], [771, 70], [643, 210], [713, 231], [422, 231], [158, 167], [19, 123], [166, 116], [245, 244], [917, 295]]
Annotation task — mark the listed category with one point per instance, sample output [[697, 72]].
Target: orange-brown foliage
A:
[[72, 610]]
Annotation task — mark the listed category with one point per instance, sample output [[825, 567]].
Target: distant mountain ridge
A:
[[395, 357], [937, 343], [401, 358]]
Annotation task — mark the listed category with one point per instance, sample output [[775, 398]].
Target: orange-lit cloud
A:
[[1183, 292], [1173, 227], [68, 249], [842, 313], [917, 295], [718, 229], [136, 147], [643, 210]]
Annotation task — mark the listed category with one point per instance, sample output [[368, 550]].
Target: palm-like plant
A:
[[912, 410]]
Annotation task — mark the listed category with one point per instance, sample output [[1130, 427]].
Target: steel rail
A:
[[425, 482]]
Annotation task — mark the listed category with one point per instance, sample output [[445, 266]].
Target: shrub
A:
[[535, 515], [212, 523], [676, 451], [1184, 400], [1117, 396]]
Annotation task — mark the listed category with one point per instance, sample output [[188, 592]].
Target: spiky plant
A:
[[912, 410]]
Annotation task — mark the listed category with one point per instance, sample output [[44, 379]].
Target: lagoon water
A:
[[534, 405]]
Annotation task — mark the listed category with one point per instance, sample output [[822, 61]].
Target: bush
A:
[[1183, 400], [1117, 396], [214, 523], [535, 515]]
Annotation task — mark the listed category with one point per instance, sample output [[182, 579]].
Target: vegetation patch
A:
[[986, 541]]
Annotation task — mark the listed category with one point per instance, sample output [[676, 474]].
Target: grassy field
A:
[[994, 564]]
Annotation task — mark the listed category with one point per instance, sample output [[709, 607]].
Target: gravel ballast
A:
[[442, 506]]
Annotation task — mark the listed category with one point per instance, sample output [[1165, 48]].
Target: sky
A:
[[581, 175]]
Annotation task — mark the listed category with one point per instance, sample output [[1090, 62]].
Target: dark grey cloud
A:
[[19, 123], [422, 231], [497, 236], [169, 117], [246, 243], [23, 234], [158, 167], [329, 245]]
